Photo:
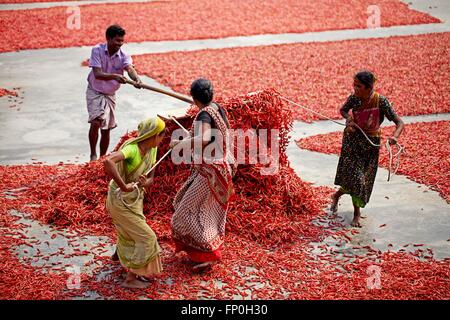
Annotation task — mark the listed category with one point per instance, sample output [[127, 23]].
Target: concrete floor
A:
[[46, 134], [412, 213], [37, 5], [49, 123]]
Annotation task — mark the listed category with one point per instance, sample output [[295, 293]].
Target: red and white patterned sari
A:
[[198, 224]]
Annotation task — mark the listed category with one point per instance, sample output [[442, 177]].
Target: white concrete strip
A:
[[286, 38], [40, 5], [137, 48], [437, 8]]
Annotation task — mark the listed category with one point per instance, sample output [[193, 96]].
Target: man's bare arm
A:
[[133, 75], [100, 75]]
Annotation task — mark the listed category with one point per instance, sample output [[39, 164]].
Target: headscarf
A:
[[147, 129]]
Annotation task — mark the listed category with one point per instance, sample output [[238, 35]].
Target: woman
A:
[[358, 162], [137, 247], [198, 224]]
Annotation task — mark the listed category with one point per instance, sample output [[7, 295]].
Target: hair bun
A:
[[202, 90]]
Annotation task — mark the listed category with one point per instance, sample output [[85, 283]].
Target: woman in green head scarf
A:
[[137, 246]]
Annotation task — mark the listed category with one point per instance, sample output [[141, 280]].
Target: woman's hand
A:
[[350, 122], [350, 125], [173, 143], [145, 182], [128, 187], [392, 140]]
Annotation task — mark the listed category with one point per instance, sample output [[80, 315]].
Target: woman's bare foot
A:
[[134, 284], [143, 279], [355, 223], [132, 281], [93, 157], [203, 266], [356, 217], [334, 203]]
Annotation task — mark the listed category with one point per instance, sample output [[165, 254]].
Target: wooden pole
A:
[[172, 94]]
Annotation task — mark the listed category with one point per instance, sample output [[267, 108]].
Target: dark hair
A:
[[114, 30], [367, 78], [202, 90]]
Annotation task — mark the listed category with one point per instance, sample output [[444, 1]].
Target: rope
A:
[[391, 156], [388, 146], [159, 161], [179, 124], [119, 193]]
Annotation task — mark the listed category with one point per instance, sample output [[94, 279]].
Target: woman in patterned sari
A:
[[198, 224], [358, 162], [137, 247]]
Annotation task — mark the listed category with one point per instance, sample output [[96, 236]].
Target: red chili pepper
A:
[[269, 228]]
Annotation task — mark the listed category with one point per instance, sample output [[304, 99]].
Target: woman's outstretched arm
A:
[[400, 125]]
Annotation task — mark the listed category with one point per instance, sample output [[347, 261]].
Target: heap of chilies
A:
[[266, 208], [324, 87], [268, 231], [237, 18]]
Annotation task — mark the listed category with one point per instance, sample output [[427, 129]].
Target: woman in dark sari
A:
[[358, 162], [198, 224]]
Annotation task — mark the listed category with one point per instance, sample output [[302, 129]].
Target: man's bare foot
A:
[[134, 284], [355, 223], [94, 157]]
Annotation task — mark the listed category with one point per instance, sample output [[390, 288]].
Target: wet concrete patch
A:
[[58, 250]]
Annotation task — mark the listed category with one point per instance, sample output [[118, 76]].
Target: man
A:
[[108, 62]]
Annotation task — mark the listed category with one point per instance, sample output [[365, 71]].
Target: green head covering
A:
[[147, 129]]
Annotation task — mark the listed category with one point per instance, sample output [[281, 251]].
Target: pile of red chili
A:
[[267, 254], [189, 19], [318, 75], [267, 208]]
